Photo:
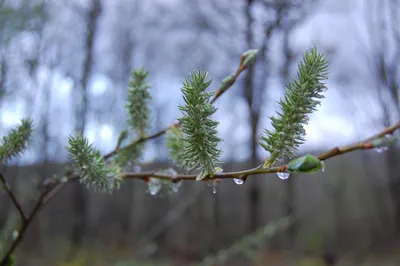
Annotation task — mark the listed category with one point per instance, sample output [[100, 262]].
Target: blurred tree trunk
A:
[[126, 64], [254, 191], [385, 56], [78, 197]]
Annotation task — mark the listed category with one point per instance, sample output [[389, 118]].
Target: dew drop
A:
[[283, 175], [175, 187], [214, 190], [238, 181], [379, 149], [154, 186], [153, 190], [323, 166]]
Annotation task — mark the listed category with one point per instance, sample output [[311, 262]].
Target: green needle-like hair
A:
[[90, 166], [199, 131], [16, 141], [138, 105], [301, 99]]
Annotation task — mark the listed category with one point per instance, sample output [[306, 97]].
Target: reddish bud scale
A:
[[368, 146]]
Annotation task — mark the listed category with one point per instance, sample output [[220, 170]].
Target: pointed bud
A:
[[248, 57]]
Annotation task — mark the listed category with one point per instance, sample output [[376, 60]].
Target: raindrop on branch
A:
[[283, 175], [154, 186], [238, 181], [153, 190]]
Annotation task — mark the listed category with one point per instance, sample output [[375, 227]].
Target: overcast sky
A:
[[343, 117]]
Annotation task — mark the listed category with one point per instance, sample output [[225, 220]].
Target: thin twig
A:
[[363, 145], [359, 145], [12, 196], [24, 227]]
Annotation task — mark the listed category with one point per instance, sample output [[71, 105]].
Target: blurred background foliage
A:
[[67, 64]]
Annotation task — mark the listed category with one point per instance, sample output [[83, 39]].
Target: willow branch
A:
[[362, 145], [53, 189], [218, 94], [24, 226], [12, 196]]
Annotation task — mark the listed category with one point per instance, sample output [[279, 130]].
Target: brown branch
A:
[[12, 196], [359, 145], [25, 224], [363, 145]]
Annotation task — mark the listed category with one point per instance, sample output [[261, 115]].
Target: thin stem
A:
[[12, 196], [25, 224], [359, 145], [363, 145]]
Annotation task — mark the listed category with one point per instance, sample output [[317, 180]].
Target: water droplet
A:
[[84, 166], [379, 149], [238, 181], [175, 187], [214, 189], [283, 175], [323, 166], [154, 186], [153, 190]]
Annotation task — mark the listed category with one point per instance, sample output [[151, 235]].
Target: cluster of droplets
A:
[[381, 144], [156, 186], [213, 185]]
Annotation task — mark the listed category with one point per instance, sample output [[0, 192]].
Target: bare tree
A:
[[383, 20]]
